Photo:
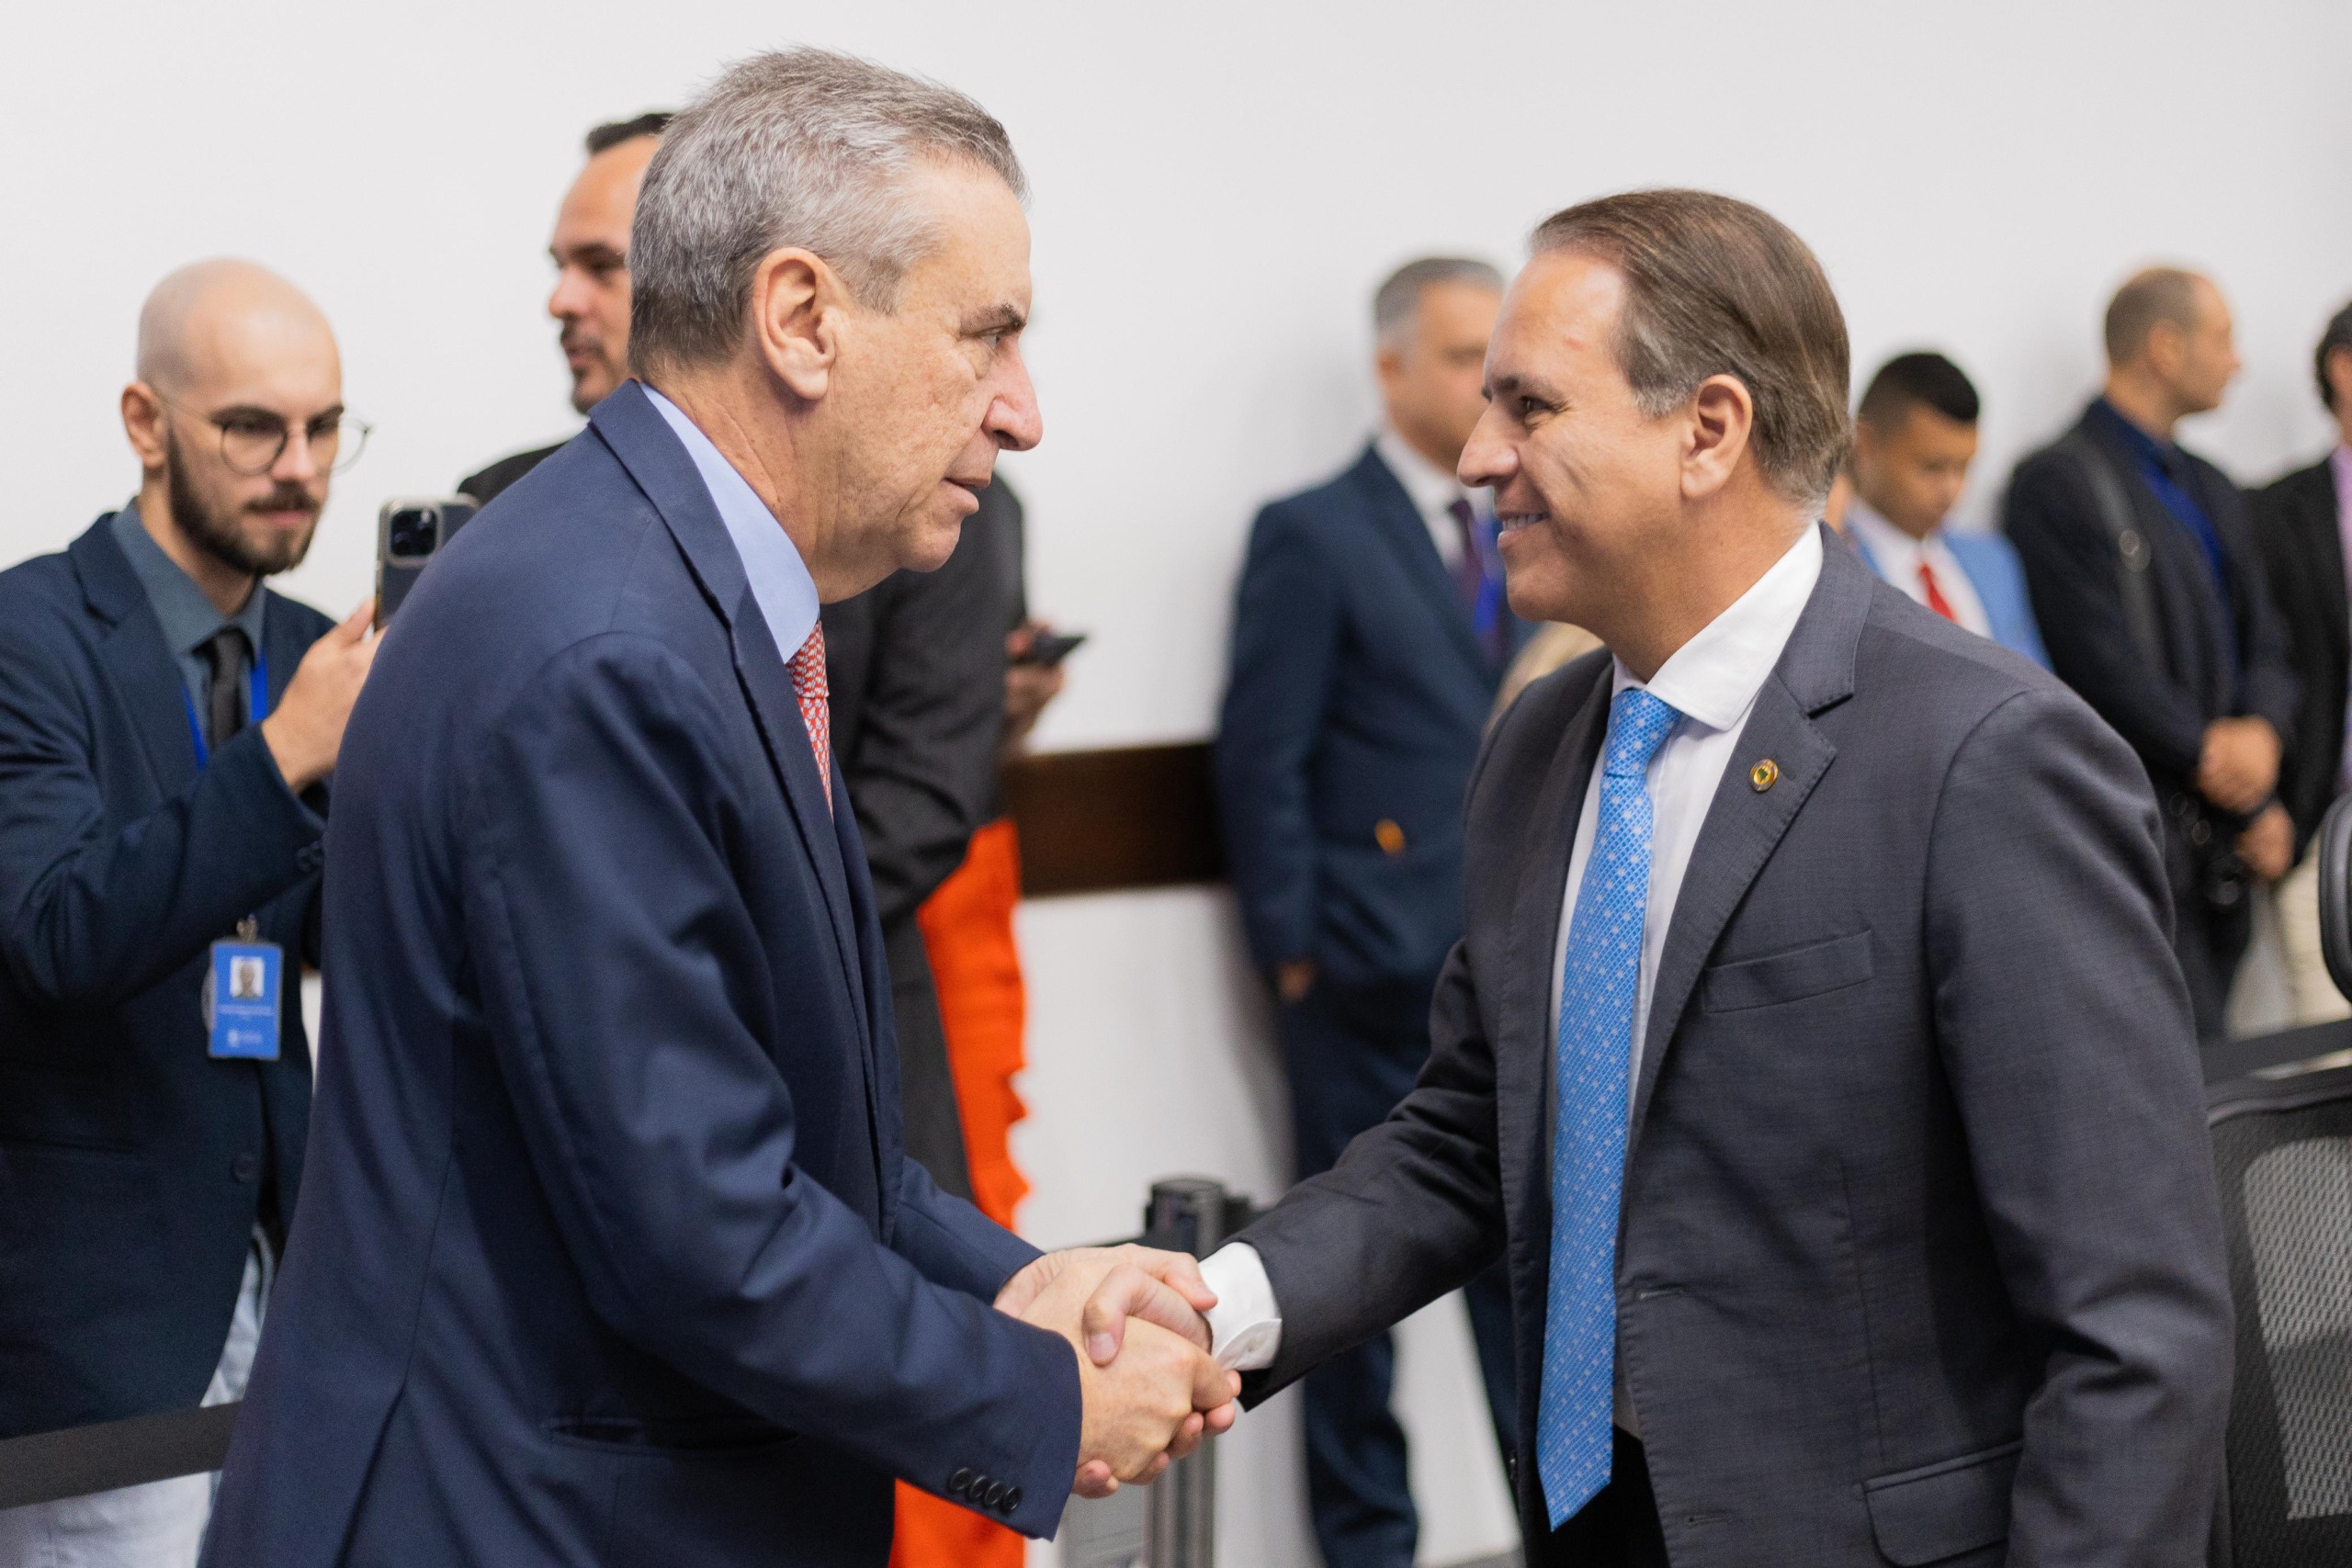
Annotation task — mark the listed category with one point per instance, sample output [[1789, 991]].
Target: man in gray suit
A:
[[1814, 1055]]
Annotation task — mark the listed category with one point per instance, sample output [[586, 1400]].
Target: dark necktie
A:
[[1469, 571], [224, 709]]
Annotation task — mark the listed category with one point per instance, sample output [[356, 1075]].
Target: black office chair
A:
[[2283, 1149]]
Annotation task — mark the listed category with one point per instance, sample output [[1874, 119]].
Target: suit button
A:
[[311, 856], [246, 1166], [1012, 1500], [995, 1498], [959, 1481]]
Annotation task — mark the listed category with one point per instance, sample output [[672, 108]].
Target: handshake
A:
[[1149, 1389]]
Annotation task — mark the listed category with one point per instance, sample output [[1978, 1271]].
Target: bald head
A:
[[237, 419], [2171, 346], [224, 315]]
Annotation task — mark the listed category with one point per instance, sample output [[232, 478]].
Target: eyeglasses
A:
[[251, 439]]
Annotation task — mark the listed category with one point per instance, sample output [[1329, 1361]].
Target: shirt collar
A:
[[2340, 460], [781, 585], [1430, 488], [2143, 446], [1881, 539], [1714, 677], [190, 620]]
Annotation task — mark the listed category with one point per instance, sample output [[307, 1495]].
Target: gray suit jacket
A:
[[1920, 1251]]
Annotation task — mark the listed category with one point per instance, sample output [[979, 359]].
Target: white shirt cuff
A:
[[1244, 1326]]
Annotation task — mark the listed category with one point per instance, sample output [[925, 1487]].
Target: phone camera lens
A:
[[413, 533]]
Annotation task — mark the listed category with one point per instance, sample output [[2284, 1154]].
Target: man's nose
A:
[[564, 300], [297, 462], [1488, 459], [1013, 417]]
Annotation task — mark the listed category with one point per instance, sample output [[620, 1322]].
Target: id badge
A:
[[241, 995]]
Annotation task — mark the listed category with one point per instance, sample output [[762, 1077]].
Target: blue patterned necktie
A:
[[1598, 988]]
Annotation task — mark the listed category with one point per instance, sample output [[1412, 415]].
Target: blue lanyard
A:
[[257, 708]]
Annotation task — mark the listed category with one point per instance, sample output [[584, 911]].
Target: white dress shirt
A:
[[1433, 492], [781, 585], [1897, 557], [1711, 681]]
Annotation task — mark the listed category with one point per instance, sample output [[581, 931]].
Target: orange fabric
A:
[[967, 935]]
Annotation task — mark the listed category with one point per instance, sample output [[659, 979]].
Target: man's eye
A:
[[249, 424]]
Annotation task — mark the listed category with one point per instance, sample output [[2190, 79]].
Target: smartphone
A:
[[409, 534], [1050, 648]]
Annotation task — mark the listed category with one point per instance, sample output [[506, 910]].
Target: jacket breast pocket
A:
[[1787, 977], [1941, 1510]]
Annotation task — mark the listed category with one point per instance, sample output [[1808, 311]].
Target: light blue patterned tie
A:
[[1597, 992]]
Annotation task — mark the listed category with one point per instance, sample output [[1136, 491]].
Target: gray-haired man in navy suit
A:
[[1815, 1054]]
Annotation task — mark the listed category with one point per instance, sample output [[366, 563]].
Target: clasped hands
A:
[[1149, 1389]]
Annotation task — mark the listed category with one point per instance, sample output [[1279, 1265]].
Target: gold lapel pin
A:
[[1764, 775]]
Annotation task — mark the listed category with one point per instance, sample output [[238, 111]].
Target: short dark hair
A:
[[2339, 336], [1922, 378], [606, 136], [2160, 294], [1716, 287]]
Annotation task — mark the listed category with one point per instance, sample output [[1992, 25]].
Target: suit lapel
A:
[[137, 663], [1745, 825], [2325, 531], [1400, 527], [646, 446], [1523, 1047]]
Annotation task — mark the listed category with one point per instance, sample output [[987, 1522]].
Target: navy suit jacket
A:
[[609, 1253], [132, 1164], [1357, 698], [1919, 1258]]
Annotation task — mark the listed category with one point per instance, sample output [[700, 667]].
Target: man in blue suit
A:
[[1915, 436], [610, 1253], [1368, 639], [166, 727]]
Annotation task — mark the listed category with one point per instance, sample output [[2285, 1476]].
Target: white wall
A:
[[1218, 187]]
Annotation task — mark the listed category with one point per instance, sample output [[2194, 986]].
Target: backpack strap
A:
[[2112, 505]]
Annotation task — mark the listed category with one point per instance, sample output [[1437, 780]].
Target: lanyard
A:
[[257, 708]]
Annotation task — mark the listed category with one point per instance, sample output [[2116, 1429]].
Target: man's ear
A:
[[142, 421], [1722, 417], [798, 304]]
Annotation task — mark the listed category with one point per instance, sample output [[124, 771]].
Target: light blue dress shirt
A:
[[780, 582]]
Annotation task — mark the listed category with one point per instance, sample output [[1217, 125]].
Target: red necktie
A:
[[1936, 600], [816, 711]]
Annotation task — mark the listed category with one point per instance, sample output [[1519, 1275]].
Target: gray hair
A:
[[1398, 300], [798, 147]]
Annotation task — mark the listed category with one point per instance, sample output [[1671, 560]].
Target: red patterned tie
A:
[[816, 711], [1936, 600]]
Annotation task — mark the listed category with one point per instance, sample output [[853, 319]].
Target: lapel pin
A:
[[1764, 775]]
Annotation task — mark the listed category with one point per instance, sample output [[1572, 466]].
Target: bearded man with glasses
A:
[[167, 726]]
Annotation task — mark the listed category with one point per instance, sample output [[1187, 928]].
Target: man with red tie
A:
[[1915, 436]]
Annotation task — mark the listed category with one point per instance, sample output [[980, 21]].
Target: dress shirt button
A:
[[1012, 1500], [246, 1166], [995, 1497], [959, 1481]]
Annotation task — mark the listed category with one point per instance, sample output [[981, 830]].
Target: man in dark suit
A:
[[609, 1252], [1813, 1053], [589, 249], [2151, 595], [2299, 521], [1368, 637], [166, 727]]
